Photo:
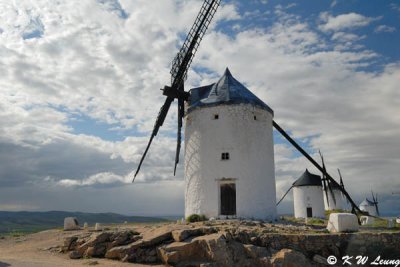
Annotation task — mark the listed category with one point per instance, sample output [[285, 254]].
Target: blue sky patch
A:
[[82, 124], [115, 7], [35, 29]]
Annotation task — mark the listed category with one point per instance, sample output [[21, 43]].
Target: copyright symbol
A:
[[331, 260]]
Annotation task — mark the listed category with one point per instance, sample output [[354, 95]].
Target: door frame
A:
[[227, 181], [307, 209]]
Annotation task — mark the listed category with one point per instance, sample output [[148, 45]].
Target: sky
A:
[[79, 94]]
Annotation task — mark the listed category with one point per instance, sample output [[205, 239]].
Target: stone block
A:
[[342, 222], [367, 220], [98, 227], [71, 223]]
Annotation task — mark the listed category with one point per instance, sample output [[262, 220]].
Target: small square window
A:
[[225, 156], [255, 117], [216, 116]]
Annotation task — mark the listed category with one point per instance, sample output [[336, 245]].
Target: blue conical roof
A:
[[227, 90]]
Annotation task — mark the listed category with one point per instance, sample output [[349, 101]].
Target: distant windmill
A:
[[329, 178], [375, 201], [370, 206], [332, 190], [307, 196]]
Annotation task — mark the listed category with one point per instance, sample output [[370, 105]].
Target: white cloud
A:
[[384, 28], [346, 37], [104, 178], [344, 21], [395, 7]]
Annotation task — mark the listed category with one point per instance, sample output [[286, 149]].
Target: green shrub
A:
[[196, 218]]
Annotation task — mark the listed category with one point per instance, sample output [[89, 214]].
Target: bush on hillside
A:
[[196, 218]]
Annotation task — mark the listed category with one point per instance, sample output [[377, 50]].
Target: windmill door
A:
[[228, 199], [309, 212]]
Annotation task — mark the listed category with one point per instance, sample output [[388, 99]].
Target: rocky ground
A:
[[217, 243], [43, 250]]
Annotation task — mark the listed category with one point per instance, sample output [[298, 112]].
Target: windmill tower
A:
[[307, 196], [370, 206], [229, 154]]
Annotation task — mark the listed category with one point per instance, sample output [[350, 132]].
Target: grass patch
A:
[[16, 234], [310, 221], [328, 212], [316, 221], [196, 218], [292, 219], [16, 230], [379, 223], [382, 223]]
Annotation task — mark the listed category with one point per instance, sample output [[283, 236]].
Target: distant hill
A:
[[26, 222]]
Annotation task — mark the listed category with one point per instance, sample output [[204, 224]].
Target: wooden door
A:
[[228, 199], [309, 212]]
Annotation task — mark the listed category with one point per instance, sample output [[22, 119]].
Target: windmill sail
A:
[[375, 201], [341, 179], [184, 58], [342, 184], [287, 192], [327, 181], [324, 182], [180, 66]]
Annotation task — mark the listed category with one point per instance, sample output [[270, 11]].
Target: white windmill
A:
[[370, 206], [308, 196], [229, 155]]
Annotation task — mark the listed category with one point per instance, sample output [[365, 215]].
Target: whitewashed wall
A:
[[340, 201], [251, 165], [308, 196]]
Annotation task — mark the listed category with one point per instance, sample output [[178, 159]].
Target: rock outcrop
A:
[[222, 243]]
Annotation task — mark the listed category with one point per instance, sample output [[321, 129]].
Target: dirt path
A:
[[35, 251]]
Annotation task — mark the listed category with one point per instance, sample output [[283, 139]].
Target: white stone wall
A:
[[340, 201], [308, 196], [251, 165]]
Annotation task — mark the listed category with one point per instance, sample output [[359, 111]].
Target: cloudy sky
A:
[[79, 93]]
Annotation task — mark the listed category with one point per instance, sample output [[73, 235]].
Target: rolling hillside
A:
[[36, 221]]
